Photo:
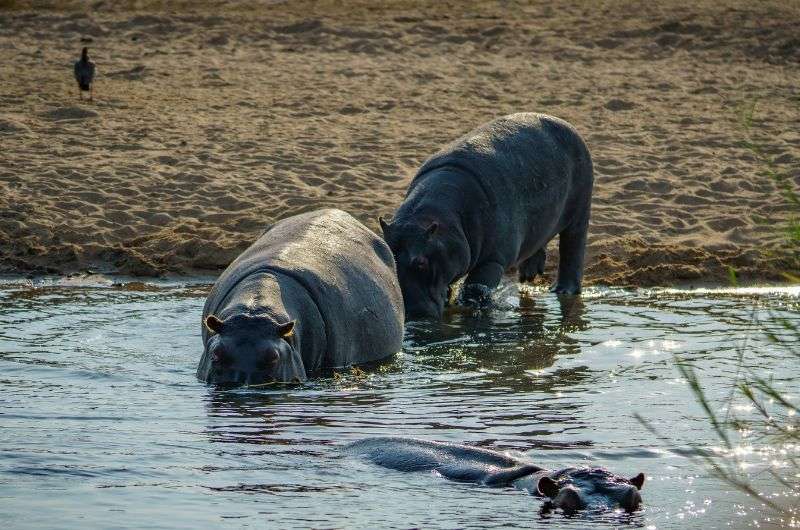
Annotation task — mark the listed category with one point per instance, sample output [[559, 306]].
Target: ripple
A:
[[101, 408]]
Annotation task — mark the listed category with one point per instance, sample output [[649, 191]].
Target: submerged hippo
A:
[[489, 202], [570, 489], [316, 291]]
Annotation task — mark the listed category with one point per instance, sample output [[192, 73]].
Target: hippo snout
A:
[[237, 378], [278, 367], [248, 368], [427, 305], [424, 310]]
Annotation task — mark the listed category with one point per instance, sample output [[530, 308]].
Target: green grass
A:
[[773, 422]]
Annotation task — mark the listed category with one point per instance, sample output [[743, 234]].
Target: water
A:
[[103, 425]]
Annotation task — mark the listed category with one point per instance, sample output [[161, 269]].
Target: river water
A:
[[103, 424]]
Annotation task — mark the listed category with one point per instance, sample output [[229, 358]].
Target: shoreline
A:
[[92, 281]]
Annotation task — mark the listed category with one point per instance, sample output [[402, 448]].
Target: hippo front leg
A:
[[532, 267], [480, 283]]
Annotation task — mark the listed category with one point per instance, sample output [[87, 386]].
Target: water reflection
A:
[[98, 383], [572, 309], [454, 376], [281, 417], [508, 346]]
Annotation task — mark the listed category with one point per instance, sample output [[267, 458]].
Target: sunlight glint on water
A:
[[103, 424]]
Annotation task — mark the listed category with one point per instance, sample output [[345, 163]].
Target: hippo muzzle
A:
[[424, 308], [423, 301], [572, 499], [287, 368]]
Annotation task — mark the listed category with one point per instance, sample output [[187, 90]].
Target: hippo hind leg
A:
[[571, 252], [532, 267]]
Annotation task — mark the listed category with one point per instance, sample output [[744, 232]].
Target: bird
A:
[[84, 74]]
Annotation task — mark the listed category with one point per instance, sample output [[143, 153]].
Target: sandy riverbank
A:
[[210, 122]]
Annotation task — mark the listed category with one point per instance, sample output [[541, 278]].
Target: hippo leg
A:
[[450, 296], [480, 284], [571, 251], [532, 267]]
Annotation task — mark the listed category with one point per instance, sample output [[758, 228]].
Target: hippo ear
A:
[[213, 324], [285, 331], [638, 481], [547, 487], [384, 225], [432, 228]]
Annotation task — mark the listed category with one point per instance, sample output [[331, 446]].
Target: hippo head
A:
[[574, 489], [429, 256], [250, 349]]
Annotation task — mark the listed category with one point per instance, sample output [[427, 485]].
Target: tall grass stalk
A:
[[783, 180], [772, 421]]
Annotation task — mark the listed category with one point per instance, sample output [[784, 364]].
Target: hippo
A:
[[490, 202], [570, 489], [315, 292]]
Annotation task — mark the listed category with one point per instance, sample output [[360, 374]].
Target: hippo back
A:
[[521, 155], [348, 271]]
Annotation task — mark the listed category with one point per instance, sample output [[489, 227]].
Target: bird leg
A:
[[91, 93]]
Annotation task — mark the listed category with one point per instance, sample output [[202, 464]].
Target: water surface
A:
[[103, 425]]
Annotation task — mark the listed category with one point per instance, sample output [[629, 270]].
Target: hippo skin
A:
[[315, 292], [489, 202], [570, 489]]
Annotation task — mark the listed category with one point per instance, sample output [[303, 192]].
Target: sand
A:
[[213, 119]]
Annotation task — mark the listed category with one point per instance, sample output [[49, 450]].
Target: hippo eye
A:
[[218, 356]]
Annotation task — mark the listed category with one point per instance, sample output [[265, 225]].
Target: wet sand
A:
[[212, 120]]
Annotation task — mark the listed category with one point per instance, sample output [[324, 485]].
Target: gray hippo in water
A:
[[570, 489], [316, 291], [489, 202]]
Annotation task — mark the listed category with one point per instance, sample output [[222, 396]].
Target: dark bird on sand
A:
[[84, 74]]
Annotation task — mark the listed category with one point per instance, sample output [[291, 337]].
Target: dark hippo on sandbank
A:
[[316, 291], [489, 202], [570, 489]]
